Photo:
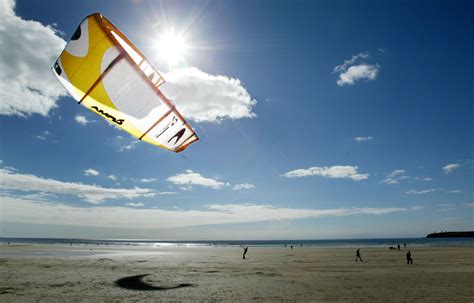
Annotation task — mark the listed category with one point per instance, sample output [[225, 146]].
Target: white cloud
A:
[[396, 173], [454, 191], [191, 178], [427, 179], [420, 192], [44, 135], [91, 172], [358, 72], [243, 186], [395, 177], [355, 69], [40, 212], [450, 167], [148, 180], [112, 177], [28, 50], [166, 193], [90, 193], [203, 97], [135, 204], [125, 145], [82, 120], [363, 139], [347, 63], [344, 172], [390, 181]]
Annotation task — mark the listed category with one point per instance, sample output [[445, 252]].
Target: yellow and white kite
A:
[[106, 73]]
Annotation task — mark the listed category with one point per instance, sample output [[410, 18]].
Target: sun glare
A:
[[171, 48]]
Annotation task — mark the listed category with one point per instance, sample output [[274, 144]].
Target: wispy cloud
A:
[[82, 120], [126, 145], [148, 180], [90, 193], [135, 204], [449, 168], [348, 63], [243, 186], [420, 192], [43, 135], [192, 178], [40, 212], [91, 172], [454, 191], [363, 139], [163, 193], [27, 43], [338, 171], [219, 97], [395, 177], [355, 73], [112, 177], [356, 69]]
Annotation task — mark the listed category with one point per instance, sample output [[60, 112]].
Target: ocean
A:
[[254, 243]]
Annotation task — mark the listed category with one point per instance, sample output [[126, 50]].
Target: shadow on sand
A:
[[136, 283]]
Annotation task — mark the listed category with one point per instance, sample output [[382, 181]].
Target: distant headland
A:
[[452, 234]]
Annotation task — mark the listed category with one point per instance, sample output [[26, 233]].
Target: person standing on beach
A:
[[398, 245], [245, 251], [358, 255], [409, 259]]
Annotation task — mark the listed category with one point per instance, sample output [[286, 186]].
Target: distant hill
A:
[[452, 234]]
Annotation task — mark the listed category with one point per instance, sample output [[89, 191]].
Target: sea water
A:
[[383, 242]]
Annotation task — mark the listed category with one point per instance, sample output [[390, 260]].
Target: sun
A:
[[171, 47]]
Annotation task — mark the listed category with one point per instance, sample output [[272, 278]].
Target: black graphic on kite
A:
[[177, 136]]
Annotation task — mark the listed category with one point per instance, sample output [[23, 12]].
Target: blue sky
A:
[[317, 119]]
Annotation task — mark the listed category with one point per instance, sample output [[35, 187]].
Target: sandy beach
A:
[[59, 273]]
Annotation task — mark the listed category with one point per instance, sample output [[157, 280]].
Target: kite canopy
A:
[[106, 73]]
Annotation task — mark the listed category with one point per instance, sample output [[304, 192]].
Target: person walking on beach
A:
[[404, 245], [245, 251], [358, 257], [409, 259], [398, 245]]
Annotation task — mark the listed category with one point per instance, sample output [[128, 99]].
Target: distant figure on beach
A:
[[404, 245], [409, 259], [285, 245], [398, 245], [291, 247], [358, 257], [245, 251]]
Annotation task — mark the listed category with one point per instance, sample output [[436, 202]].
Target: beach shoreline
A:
[[54, 273]]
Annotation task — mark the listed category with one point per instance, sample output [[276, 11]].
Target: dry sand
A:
[[55, 273]]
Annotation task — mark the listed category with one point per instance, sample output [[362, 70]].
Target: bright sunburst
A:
[[171, 47]]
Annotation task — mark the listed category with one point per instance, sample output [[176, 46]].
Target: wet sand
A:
[[57, 273]]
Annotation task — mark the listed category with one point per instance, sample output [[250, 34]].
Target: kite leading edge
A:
[[106, 73]]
